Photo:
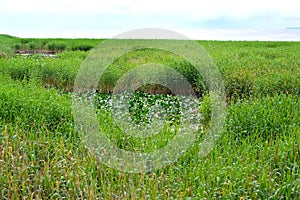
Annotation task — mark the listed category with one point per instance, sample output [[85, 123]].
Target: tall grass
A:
[[42, 155], [12, 44], [256, 157], [249, 69], [30, 106]]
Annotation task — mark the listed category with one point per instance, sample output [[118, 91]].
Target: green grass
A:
[[256, 157], [10, 44], [248, 68]]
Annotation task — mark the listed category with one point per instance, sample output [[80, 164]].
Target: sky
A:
[[105, 18]]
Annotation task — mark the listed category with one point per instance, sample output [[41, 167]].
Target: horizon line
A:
[[287, 34]]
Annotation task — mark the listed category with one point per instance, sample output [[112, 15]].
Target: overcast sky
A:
[[43, 18]]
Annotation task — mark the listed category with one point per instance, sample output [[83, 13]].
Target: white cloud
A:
[[130, 14], [191, 8], [57, 6]]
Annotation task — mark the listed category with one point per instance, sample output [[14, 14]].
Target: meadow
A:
[[256, 156]]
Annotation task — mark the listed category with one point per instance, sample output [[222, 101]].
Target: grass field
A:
[[256, 157]]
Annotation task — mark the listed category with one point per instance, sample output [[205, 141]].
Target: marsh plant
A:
[[256, 157]]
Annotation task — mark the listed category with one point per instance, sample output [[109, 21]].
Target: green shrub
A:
[[17, 46], [56, 46], [32, 46], [82, 47]]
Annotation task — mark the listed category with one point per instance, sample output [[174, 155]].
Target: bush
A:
[[83, 47], [17, 46], [56, 46], [32, 45]]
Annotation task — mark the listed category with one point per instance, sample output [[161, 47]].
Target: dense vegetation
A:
[[9, 45], [257, 155]]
